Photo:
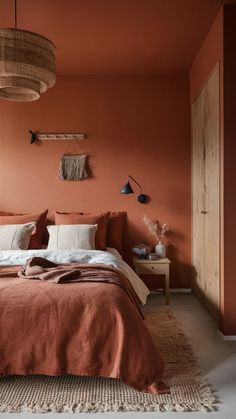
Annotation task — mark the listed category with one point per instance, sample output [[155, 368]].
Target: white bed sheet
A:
[[110, 258]]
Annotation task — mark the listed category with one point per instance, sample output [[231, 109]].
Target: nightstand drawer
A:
[[149, 269]]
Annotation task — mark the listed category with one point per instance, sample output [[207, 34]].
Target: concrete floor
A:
[[217, 359]]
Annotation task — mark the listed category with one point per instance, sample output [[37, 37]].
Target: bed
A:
[[93, 326]]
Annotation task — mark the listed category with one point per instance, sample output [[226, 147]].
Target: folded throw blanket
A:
[[44, 269]]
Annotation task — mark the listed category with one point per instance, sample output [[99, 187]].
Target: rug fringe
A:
[[98, 407]]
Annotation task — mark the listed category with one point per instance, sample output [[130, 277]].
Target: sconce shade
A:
[[27, 65], [127, 188]]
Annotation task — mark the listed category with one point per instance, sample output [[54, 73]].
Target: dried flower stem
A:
[[155, 228]]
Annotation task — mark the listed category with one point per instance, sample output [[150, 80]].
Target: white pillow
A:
[[72, 236], [15, 236]]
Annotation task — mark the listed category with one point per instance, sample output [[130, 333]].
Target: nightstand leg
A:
[[167, 286]]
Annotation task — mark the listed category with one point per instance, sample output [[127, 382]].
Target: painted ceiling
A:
[[103, 37]]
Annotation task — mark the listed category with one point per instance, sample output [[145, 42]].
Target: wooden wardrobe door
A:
[[205, 193], [198, 177]]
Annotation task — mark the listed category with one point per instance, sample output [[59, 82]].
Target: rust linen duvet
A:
[[92, 327]]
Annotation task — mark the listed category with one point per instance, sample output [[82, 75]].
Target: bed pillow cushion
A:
[[76, 236], [39, 219], [79, 218], [115, 230], [15, 236]]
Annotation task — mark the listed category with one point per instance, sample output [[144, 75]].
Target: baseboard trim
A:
[[177, 290], [185, 290], [227, 337]]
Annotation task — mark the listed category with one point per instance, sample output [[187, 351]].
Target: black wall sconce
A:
[[128, 189]]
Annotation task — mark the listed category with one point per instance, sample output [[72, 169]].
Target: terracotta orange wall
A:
[[209, 54], [229, 319], [134, 125], [219, 46]]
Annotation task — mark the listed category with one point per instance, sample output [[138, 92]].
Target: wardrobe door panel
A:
[[198, 190], [205, 193], [212, 223]]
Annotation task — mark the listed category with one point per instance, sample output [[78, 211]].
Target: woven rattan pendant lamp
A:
[[27, 64]]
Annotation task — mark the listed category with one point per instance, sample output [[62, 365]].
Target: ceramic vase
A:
[[160, 250]]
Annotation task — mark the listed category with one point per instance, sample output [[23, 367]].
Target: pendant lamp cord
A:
[[15, 14]]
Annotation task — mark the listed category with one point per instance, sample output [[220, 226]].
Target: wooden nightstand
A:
[[155, 267]]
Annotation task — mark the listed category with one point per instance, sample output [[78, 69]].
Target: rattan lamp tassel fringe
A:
[[27, 64]]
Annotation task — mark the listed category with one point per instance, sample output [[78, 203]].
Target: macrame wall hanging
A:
[[73, 166]]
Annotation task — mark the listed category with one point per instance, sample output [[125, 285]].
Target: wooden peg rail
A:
[[58, 136]]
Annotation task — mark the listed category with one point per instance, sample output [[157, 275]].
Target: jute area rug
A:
[[189, 391]]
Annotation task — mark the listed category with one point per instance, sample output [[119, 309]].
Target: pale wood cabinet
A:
[[206, 194]]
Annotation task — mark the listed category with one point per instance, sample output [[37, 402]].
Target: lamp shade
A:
[[127, 188], [27, 64]]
